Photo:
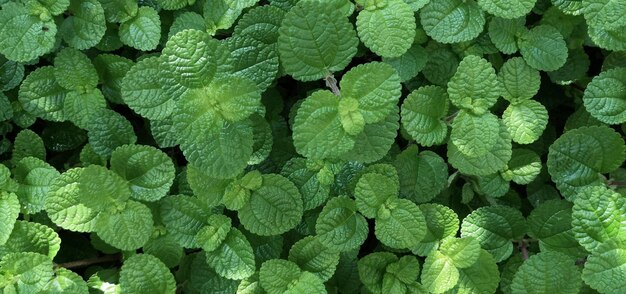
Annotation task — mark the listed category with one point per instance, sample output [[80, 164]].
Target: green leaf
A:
[[311, 255], [439, 274], [608, 39], [66, 281], [119, 10], [604, 269], [40, 95], [28, 144], [505, 32], [82, 108], [11, 74], [387, 31], [464, 252], [213, 235], [74, 71], [475, 135], [537, 275], [234, 258], [34, 177], [261, 23], [143, 31], [377, 88], [190, 56], [495, 227], [403, 227], [109, 130], [274, 208], [519, 81], [166, 249], [143, 273], [440, 20], [422, 176], [282, 276], [375, 141], [29, 270], [315, 40], [317, 130], [102, 189], [144, 93], [493, 160], [605, 96], [543, 48], [253, 59], [313, 192], [482, 277], [507, 9], [551, 224], [86, 25], [63, 203], [474, 86], [422, 115], [24, 37], [409, 64], [183, 217], [31, 237], [372, 268], [526, 121], [441, 222], [9, 211], [149, 171], [372, 191], [523, 167], [606, 14], [576, 158], [598, 215], [219, 15], [339, 226], [128, 229]]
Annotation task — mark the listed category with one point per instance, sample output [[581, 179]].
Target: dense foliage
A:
[[312, 146]]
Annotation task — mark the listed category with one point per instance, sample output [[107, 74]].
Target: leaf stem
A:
[[450, 118], [617, 183], [523, 248], [90, 261], [331, 82]]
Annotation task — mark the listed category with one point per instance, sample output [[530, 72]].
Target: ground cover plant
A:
[[312, 146]]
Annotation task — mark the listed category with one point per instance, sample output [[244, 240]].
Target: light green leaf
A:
[[372, 191], [73, 70], [40, 95], [166, 249], [507, 9], [474, 86], [377, 88], [34, 177], [464, 252], [599, 214], [281, 276], [66, 281], [9, 211], [254, 60], [576, 158], [495, 227], [494, 160], [439, 274], [404, 227], [526, 121], [315, 40], [440, 20], [606, 14], [86, 25], [519, 81], [63, 203], [31, 271], [274, 208], [311, 255], [149, 171], [261, 23], [144, 91], [422, 115], [339, 226], [543, 48], [605, 96], [608, 39], [190, 55], [537, 275], [144, 273], [573, 7], [375, 141], [605, 269], [505, 32], [372, 269], [234, 258], [23, 36], [112, 69], [143, 31], [82, 108], [409, 64], [441, 222], [109, 130], [213, 235], [551, 224], [31, 237], [422, 176], [28, 144], [119, 10], [219, 15], [183, 217], [389, 30], [102, 189], [482, 277], [475, 135], [313, 192], [317, 130], [128, 229], [523, 167]]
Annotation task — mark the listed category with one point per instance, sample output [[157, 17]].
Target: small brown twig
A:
[[90, 261]]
